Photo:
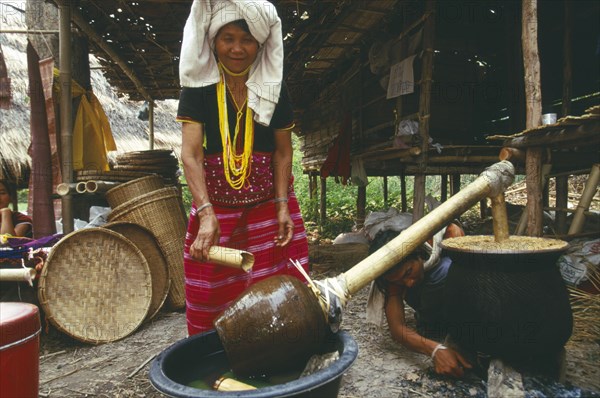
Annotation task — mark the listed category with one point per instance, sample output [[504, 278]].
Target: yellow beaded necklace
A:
[[237, 166]]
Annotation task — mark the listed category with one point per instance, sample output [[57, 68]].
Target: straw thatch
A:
[[131, 133]]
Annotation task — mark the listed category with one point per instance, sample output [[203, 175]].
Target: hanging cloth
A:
[[92, 135]]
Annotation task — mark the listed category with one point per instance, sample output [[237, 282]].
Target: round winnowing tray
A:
[[96, 286]]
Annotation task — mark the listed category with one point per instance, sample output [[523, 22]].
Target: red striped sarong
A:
[[250, 225]]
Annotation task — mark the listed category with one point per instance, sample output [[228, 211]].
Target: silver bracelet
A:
[[278, 200], [436, 349], [204, 206]]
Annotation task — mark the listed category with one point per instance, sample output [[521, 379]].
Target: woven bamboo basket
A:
[[161, 212], [145, 241], [132, 189], [96, 286]]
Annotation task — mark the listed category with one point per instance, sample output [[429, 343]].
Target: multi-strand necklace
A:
[[237, 166]]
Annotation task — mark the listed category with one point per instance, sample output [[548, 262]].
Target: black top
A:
[[199, 104]]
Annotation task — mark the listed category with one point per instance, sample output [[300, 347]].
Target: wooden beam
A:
[[85, 27]]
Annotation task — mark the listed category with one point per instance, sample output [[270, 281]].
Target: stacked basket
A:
[[99, 284], [158, 161], [160, 210]]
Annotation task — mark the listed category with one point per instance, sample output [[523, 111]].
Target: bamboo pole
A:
[[66, 113], [80, 187], [17, 275], [491, 183], [66, 188], [499, 218], [586, 198], [99, 186]]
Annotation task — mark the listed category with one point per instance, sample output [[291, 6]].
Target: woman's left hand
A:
[[285, 230]]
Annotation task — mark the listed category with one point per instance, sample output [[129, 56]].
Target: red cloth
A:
[[211, 288], [338, 157]]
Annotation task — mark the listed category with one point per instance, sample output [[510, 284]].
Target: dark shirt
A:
[[199, 104], [20, 218], [427, 299]]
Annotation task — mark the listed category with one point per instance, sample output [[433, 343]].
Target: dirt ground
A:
[[383, 368]]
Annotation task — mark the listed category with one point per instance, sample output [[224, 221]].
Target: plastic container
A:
[[19, 350], [176, 366]]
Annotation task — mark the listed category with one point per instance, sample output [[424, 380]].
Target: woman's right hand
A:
[[450, 363], [208, 235]]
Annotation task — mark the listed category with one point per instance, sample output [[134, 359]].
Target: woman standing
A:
[[236, 152]]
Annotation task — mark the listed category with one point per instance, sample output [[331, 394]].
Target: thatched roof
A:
[[131, 133], [320, 38]]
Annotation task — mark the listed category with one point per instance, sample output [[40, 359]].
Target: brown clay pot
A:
[[274, 325]]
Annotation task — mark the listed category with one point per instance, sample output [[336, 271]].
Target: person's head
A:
[[408, 272], [235, 47], [6, 194]]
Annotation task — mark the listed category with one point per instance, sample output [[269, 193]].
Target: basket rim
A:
[[133, 204]]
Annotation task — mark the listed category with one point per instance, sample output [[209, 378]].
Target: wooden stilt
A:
[[562, 201], [323, 201], [361, 203], [591, 186]]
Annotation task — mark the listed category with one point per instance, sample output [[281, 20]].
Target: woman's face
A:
[[235, 48], [4, 196], [408, 274]]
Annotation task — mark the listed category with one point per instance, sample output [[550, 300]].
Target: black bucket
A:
[[178, 365]]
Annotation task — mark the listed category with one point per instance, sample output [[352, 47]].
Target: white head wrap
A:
[[198, 67]]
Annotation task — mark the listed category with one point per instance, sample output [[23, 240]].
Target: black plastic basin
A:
[[175, 367]]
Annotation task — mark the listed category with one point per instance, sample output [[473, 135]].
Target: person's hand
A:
[[450, 363], [208, 235], [285, 230]]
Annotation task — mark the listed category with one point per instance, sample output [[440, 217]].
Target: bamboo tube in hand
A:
[[231, 257]]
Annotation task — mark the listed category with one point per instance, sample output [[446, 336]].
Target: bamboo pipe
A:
[[586, 198], [99, 186], [492, 182], [80, 187], [229, 384], [65, 188], [17, 275], [229, 257]]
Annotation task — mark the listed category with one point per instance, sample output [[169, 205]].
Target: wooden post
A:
[[385, 191], [403, 193], [361, 203], [419, 197], [151, 124], [454, 184], [543, 179], [424, 108], [444, 187], [533, 104], [323, 201], [483, 208], [591, 186], [562, 201], [567, 61]]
